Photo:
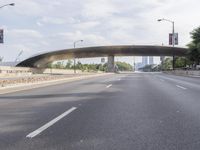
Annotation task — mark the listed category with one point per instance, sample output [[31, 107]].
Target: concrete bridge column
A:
[[111, 63]]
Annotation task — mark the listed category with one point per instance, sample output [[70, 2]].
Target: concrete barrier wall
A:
[[184, 72]]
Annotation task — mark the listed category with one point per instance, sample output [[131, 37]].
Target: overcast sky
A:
[[36, 26]]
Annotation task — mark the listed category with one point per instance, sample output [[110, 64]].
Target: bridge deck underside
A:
[[43, 59]]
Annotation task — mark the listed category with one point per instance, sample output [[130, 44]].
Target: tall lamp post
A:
[[74, 57], [11, 4], [1, 33], [173, 38]]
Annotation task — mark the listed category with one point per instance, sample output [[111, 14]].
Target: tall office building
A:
[[144, 60], [151, 62]]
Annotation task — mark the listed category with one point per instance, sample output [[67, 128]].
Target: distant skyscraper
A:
[[151, 60], [144, 60]]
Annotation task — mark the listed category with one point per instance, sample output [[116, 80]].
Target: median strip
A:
[[50, 123], [22, 87]]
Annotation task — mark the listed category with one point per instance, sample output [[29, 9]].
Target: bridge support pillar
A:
[[111, 63]]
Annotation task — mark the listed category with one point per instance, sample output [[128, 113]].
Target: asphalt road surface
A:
[[133, 111]]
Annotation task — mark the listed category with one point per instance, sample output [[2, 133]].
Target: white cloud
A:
[[89, 39], [98, 9], [28, 40], [51, 20], [48, 25], [39, 23], [28, 8], [24, 33], [86, 25]]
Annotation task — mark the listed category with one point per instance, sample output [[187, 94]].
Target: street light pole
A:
[[173, 39], [173, 44], [1, 34], [11, 4], [74, 56], [173, 36]]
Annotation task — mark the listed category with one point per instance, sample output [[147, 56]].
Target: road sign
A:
[[170, 38], [175, 39], [1, 35]]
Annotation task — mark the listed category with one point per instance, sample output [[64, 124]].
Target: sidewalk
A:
[[186, 73]]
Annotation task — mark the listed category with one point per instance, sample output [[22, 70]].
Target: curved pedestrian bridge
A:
[[41, 60]]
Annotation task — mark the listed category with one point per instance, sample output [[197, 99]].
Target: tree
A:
[[69, 64], [58, 65], [195, 35], [194, 47], [49, 65], [122, 66], [167, 64], [180, 62], [80, 66]]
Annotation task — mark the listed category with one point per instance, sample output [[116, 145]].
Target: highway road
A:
[[130, 111]]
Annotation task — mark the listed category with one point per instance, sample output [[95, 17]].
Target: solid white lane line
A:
[[50, 123], [109, 86], [181, 87]]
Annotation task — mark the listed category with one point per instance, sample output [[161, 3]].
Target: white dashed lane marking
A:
[[50, 123], [108, 86], [181, 87]]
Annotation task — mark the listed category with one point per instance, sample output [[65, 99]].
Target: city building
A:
[[144, 60], [151, 62]]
